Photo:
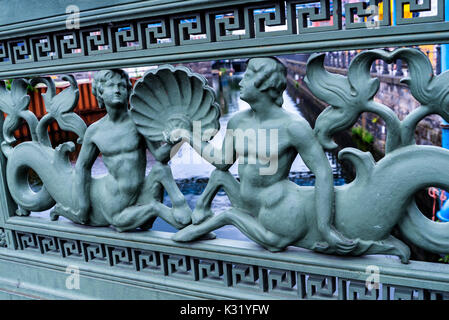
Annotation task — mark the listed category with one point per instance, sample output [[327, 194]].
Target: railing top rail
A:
[[130, 33]]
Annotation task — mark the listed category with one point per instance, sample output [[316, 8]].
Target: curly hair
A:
[[271, 76], [104, 75]]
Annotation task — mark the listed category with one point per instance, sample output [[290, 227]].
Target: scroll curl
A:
[[60, 108], [351, 95]]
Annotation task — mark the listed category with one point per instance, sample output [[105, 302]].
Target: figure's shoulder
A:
[[94, 127], [298, 127], [237, 118]]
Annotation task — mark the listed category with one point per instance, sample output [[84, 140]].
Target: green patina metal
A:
[[172, 105]]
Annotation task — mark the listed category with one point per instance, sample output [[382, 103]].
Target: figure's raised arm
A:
[[161, 151], [222, 158]]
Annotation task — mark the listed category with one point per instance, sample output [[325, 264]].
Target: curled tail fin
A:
[[430, 169], [53, 168], [425, 233]]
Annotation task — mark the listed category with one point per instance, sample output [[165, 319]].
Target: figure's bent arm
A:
[[222, 158], [315, 159], [81, 188], [161, 153]]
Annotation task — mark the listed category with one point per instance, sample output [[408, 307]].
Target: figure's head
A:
[[111, 87], [269, 75]]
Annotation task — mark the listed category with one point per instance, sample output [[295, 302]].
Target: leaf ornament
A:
[[431, 91], [60, 107], [15, 103], [350, 96], [347, 96]]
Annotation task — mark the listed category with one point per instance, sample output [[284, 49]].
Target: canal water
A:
[[191, 172]]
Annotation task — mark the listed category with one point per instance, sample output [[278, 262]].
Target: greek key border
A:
[[256, 279], [248, 25]]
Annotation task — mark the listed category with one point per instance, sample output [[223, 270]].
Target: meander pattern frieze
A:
[[257, 279], [167, 104], [171, 105], [238, 24]]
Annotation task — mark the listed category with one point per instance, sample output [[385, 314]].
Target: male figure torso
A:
[[123, 152], [253, 160]]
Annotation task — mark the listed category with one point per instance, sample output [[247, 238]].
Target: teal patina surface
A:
[[172, 105]]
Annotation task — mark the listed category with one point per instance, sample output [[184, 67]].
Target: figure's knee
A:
[[132, 217], [219, 176], [120, 222], [225, 217], [275, 243]]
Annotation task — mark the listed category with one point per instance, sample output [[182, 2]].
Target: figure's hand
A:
[[172, 137], [338, 242], [178, 128]]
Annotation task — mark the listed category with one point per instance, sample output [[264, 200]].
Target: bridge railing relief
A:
[[318, 242]]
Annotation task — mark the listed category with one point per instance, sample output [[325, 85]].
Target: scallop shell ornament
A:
[[168, 96]]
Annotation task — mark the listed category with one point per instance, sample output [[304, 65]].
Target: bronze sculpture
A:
[[125, 198], [263, 204], [171, 105]]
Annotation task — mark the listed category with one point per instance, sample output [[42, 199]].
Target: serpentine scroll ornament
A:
[[354, 219]]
